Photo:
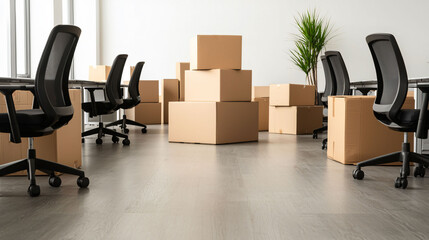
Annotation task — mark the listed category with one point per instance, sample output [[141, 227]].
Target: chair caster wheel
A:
[[401, 183], [83, 140], [83, 182], [54, 181], [419, 171], [358, 174], [144, 130], [33, 190], [115, 139], [99, 141], [126, 130], [126, 141], [314, 135]]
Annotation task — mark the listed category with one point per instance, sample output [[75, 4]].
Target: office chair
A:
[[341, 76], [134, 100], [330, 90], [52, 109], [392, 88], [113, 93]]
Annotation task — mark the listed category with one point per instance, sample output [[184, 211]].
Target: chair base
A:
[[405, 156], [101, 131], [31, 164], [124, 122], [319, 130]]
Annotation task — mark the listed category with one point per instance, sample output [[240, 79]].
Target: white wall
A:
[[158, 32]]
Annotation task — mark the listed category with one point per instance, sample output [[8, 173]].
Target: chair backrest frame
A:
[[113, 83], [330, 82], [340, 72], [133, 86]]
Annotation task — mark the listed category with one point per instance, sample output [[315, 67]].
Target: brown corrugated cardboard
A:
[[292, 95], [149, 91], [260, 92], [354, 134], [181, 67], [63, 146], [131, 113], [148, 113], [170, 93], [216, 52], [99, 73], [264, 106], [213, 122], [295, 119], [218, 85]]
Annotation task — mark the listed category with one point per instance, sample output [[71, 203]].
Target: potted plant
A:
[[314, 34]]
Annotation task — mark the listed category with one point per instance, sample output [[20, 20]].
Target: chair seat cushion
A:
[[128, 103], [29, 121], [103, 108]]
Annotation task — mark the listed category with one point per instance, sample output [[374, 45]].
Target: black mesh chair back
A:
[[340, 72], [113, 83], [51, 83], [392, 79], [133, 87], [330, 84]]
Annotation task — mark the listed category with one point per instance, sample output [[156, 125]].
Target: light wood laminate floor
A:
[[282, 187]]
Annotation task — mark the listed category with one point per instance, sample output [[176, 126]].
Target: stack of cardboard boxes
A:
[[181, 67], [169, 93], [261, 94], [292, 109], [217, 107]]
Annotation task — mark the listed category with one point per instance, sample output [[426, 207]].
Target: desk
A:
[[412, 83]]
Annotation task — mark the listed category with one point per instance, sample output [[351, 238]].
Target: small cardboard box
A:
[[218, 85], [213, 122], [216, 52], [99, 73], [148, 113], [264, 107], [355, 135], [170, 93], [149, 91], [260, 92], [292, 95], [64, 146], [181, 67], [295, 120]]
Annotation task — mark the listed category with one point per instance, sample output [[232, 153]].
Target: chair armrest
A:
[[91, 90], [422, 125], [15, 135]]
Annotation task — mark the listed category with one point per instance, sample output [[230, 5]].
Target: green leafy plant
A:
[[314, 34]]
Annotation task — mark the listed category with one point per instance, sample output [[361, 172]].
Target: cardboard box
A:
[[99, 73], [131, 113], [64, 146], [149, 91], [216, 52], [181, 67], [292, 95], [148, 113], [264, 106], [170, 93], [355, 135], [213, 122], [218, 85], [295, 120], [260, 92]]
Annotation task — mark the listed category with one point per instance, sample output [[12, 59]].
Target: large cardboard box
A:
[[170, 93], [292, 95], [216, 52], [218, 85], [295, 120], [264, 106], [213, 122], [130, 113], [181, 67], [355, 135], [99, 73], [63, 146], [260, 92], [148, 113], [149, 91]]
